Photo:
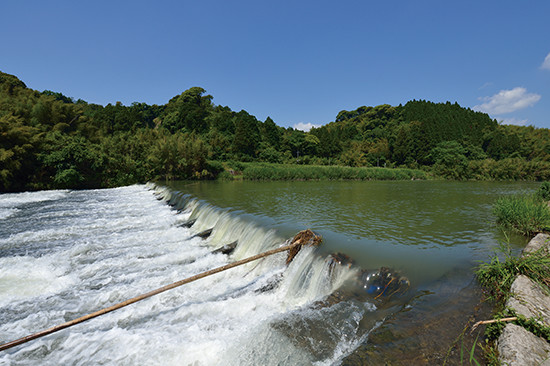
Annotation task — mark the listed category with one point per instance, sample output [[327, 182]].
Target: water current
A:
[[64, 254]]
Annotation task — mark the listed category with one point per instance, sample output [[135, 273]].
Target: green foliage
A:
[[177, 156], [270, 155], [533, 325], [265, 171], [544, 191], [49, 140], [188, 111], [508, 169], [353, 156], [525, 214], [497, 275], [501, 144], [271, 133], [247, 136], [71, 161], [10, 84], [17, 148], [449, 159], [490, 353]]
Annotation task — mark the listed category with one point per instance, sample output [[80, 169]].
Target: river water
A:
[[64, 254]]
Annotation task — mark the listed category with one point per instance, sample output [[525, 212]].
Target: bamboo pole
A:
[[84, 318], [504, 320]]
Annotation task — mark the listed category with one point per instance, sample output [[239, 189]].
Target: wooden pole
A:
[[504, 320], [84, 318]]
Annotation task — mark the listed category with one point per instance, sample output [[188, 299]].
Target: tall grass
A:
[[265, 171], [526, 214]]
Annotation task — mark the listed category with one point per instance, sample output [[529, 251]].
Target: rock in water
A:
[[226, 249], [204, 234]]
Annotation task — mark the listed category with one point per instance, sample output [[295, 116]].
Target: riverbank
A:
[[520, 287], [525, 214], [528, 342], [272, 171]]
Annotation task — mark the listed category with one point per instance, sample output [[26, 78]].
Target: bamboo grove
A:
[[48, 140]]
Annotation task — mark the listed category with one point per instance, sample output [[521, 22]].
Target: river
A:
[[64, 254]]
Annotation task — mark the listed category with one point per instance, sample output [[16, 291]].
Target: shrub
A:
[[544, 191]]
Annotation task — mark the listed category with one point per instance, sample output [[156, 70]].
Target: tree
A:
[[17, 148], [247, 135], [353, 156], [72, 161], [499, 144], [271, 133], [188, 111], [311, 144], [222, 119], [293, 141], [449, 159]]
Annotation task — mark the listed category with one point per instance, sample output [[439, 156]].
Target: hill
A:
[[49, 140]]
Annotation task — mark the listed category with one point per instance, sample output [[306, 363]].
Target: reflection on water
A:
[[423, 213], [423, 227]]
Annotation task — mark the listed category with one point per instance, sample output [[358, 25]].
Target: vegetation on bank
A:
[[496, 277], [525, 214], [48, 140], [268, 171]]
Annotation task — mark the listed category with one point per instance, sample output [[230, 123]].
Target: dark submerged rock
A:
[[188, 223], [226, 249], [272, 284], [204, 234]]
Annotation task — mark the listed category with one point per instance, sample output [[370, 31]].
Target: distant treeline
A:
[[48, 140]]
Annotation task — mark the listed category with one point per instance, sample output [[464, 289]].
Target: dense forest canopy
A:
[[49, 140]]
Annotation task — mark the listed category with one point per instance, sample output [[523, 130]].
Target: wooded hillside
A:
[[49, 140]]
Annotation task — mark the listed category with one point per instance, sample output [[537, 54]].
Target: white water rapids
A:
[[65, 254]]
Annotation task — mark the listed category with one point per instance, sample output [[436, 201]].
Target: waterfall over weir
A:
[[65, 254]]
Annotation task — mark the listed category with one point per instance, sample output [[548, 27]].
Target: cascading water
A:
[[64, 254]]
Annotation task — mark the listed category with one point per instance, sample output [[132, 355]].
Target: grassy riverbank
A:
[[270, 171], [525, 214], [496, 277]]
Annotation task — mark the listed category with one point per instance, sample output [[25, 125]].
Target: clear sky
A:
[[300, 62]]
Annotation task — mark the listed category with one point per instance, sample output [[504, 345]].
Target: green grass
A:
[[497, 275], [266, 171], [526, 214], [544, 191]]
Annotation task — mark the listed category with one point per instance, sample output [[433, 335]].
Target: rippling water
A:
[[64, 254]]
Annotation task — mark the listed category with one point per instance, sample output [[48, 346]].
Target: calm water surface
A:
[[424, 228]]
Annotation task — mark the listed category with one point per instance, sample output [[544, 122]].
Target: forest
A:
[[51, 141]]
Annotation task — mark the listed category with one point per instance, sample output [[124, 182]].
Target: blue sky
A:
[[300, 62]]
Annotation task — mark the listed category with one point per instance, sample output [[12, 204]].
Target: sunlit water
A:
[[64, 254]]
